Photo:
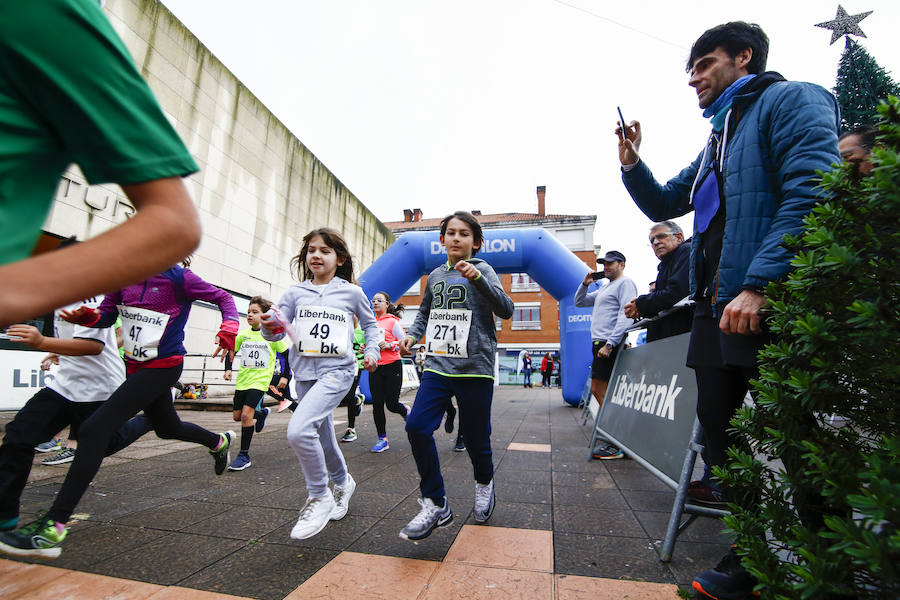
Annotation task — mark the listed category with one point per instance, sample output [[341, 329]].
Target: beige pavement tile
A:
[[181, 593], [503, 547], [575, 587], [356, 575], [470, 582], [95, 587], [529, 447], [18, 580], [146, 452]]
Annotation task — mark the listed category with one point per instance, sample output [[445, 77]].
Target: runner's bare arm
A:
[[164, 230]]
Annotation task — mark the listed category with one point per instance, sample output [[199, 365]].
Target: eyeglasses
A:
[[659, 237]]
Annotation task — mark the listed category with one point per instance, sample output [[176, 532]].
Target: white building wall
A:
[[259, 190]]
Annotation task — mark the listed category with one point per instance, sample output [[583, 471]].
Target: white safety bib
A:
[[255, 355], [322, 331], [142, 330], [447, 333]]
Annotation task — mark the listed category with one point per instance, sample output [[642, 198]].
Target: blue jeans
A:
[[473, 397]]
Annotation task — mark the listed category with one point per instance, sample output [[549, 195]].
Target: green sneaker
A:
[[221, 454], [38, 538]]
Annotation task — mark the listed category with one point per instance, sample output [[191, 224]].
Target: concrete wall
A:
[[259, 191]]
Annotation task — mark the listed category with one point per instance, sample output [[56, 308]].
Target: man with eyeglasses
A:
[[753, 183], [671, 285]]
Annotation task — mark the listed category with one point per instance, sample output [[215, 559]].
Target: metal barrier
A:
[[644, 416], [204, 370]]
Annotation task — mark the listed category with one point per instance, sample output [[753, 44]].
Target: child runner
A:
[[457, 318], [258, 359], [353, 400], [89, 371], [316, 313], [385, 382], [154, 314]]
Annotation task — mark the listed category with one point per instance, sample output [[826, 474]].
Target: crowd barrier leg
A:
[[675, 526]]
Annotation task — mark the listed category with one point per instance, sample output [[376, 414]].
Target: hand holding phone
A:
[[621, 121], [598, 275]]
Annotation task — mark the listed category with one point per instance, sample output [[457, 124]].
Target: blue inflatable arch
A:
[[534, 251]]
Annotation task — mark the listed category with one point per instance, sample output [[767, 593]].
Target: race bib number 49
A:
[[323, 331], [447, 333], [142, 330]]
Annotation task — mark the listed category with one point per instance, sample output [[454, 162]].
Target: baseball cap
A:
[[611, 256]]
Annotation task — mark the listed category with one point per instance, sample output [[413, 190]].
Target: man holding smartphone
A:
[[753, 183], [608, 325]]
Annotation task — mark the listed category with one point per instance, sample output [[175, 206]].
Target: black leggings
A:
[[147, 390], [350, 402], [384, 384]]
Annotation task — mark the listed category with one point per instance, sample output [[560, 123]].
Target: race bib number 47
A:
[[142, 330], [323, 331], [447, 333]]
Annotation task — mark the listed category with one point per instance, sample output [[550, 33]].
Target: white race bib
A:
[[322, 331], [142, 329], [255, 355], [447, 333]]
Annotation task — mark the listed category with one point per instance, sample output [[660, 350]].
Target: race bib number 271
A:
[[447, 333]]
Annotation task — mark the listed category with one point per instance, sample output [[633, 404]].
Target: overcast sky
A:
[[472, 104]]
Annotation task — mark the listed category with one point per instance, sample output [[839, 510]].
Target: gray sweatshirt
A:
[[608, 320], [447, 289], [300, 303]]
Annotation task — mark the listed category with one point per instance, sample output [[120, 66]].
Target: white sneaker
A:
[[313, 517], [429, 518], [484, 501], [342, 495]]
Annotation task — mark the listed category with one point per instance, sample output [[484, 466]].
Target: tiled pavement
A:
[[157, 523]]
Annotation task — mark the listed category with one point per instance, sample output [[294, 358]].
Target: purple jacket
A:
[[170, 292]]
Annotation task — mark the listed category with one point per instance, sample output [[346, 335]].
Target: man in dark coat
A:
[[671, 284]]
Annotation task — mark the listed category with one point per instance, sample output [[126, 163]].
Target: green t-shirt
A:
[[258, 359], [70, 93]]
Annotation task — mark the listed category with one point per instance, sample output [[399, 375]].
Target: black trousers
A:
[[147, 390], [43, 416], [384, 384]]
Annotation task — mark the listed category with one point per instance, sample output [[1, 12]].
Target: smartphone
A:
[[598, 275]]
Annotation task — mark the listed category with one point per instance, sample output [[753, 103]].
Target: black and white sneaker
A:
[[429, 518], [484, 502], [222, 455], [66, 455]]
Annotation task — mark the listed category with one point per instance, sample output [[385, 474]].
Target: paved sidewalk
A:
[[157, 523]]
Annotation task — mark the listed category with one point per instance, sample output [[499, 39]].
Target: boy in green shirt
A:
[[257, 366]]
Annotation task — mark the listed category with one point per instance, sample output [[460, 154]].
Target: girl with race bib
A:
[[386, 381], [317, 314], [457, 318], [154, 313], [258, 358]]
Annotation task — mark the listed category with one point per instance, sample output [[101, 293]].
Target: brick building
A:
[[535, 322]]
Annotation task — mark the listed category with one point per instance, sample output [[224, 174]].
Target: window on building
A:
[[522, 282], [408, 317], [527, 316], [573, 239], [415, 289], [498, 323]]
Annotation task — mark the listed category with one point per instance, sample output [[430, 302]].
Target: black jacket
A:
[[671, 287]]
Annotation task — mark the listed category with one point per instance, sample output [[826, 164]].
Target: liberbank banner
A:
[[651, 403]]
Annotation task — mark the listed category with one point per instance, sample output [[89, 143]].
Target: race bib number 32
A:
[[447, 333], [142, 330], [323, 331]]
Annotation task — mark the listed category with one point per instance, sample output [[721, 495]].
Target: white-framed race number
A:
[[322, 331]]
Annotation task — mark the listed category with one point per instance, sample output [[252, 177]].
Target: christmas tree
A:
[[861, 85]]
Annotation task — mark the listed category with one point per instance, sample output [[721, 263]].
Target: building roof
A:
[[495, 219]]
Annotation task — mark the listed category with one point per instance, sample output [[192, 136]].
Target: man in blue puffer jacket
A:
[[753, 183]]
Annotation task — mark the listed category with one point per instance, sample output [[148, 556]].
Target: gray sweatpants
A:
[[311, 431]]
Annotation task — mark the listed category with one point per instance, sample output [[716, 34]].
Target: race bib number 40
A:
[[447, 333], [323, 331], [142, 330], [255, 355]]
